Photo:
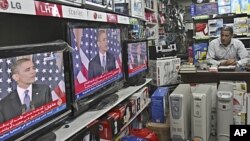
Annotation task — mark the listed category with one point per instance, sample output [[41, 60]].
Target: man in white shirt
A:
[[227, 50]]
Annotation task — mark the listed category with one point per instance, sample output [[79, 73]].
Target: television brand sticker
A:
[[48, 9], [4, 4], [74, 13], [123, 19], [97, 16], [112, 18], [17, 6]]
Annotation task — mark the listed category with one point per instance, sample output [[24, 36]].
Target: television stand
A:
[[86, 118], [106, 102], [138, 82]]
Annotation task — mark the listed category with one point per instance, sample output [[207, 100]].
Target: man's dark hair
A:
[[17, 63], [100, 31], [228, 28]]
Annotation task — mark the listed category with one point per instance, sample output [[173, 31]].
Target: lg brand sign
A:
[[5, 4]]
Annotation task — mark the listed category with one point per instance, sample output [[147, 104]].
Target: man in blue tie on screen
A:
[[104, 61], [27, 96]]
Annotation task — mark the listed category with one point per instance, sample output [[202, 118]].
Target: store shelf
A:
[[239, 36], [38, 8], [201, 38], [151, 23], [151, 38], [138, 112], [88, 117], [149, 9], [229, 15], [97, 5]]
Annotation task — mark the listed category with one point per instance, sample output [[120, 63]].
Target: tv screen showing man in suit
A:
[[137, 57], [104, 61], [32, 89], [27, 95], [97, 58]]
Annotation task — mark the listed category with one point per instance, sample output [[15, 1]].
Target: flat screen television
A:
[[135, 56], [33, 94], [97, 61]]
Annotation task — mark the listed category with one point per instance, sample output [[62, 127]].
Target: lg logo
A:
[[4, 4]]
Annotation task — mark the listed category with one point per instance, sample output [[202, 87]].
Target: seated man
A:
[[227, 50]]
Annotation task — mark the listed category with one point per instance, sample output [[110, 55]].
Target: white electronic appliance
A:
[[201, 112], [179, 103], [224, 111]]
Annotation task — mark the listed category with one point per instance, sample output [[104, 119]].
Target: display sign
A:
[[123, 19], [75, 13], [17, 6], [97, 16], [48, 9]]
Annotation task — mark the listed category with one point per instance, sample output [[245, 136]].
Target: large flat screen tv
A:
[[97, 62], [33, 94], [135, 56]]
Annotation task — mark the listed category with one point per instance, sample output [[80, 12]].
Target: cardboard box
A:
[[108, 126], [200, 52], [201, 29], [165, 71], [159, 105], [161, 129], [214, 27]]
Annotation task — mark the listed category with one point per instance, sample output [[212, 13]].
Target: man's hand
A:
[[228, 62], [231, 62]]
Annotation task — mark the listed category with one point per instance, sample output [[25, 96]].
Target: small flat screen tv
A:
[[97, 61], [33, 94], [135, 56]]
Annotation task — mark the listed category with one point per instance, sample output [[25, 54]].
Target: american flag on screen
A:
[[47, 70], [84, 42]]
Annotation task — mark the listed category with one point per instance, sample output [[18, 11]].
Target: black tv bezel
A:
[[90, 96], [128, 79], [49, 123]]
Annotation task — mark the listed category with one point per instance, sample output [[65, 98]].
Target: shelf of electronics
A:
[[38, 8], [150, 23], [245, 36], [205, 17], [88, 117], [132, 119], [139, 112], [149, 9]]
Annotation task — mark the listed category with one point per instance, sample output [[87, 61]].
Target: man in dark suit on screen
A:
[[139, 58], [27, 96], [104, 61]]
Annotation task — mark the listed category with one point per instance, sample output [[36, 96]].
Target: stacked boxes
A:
[[214, 27], [140, 98], [201, 29], [224, 7], [200, 52], [164, 71], [240, 25]]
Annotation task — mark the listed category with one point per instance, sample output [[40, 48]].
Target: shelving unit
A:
[[207, 28], [137, 114], [50, 15], [88, 117], [151, 17], [38, 8]]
